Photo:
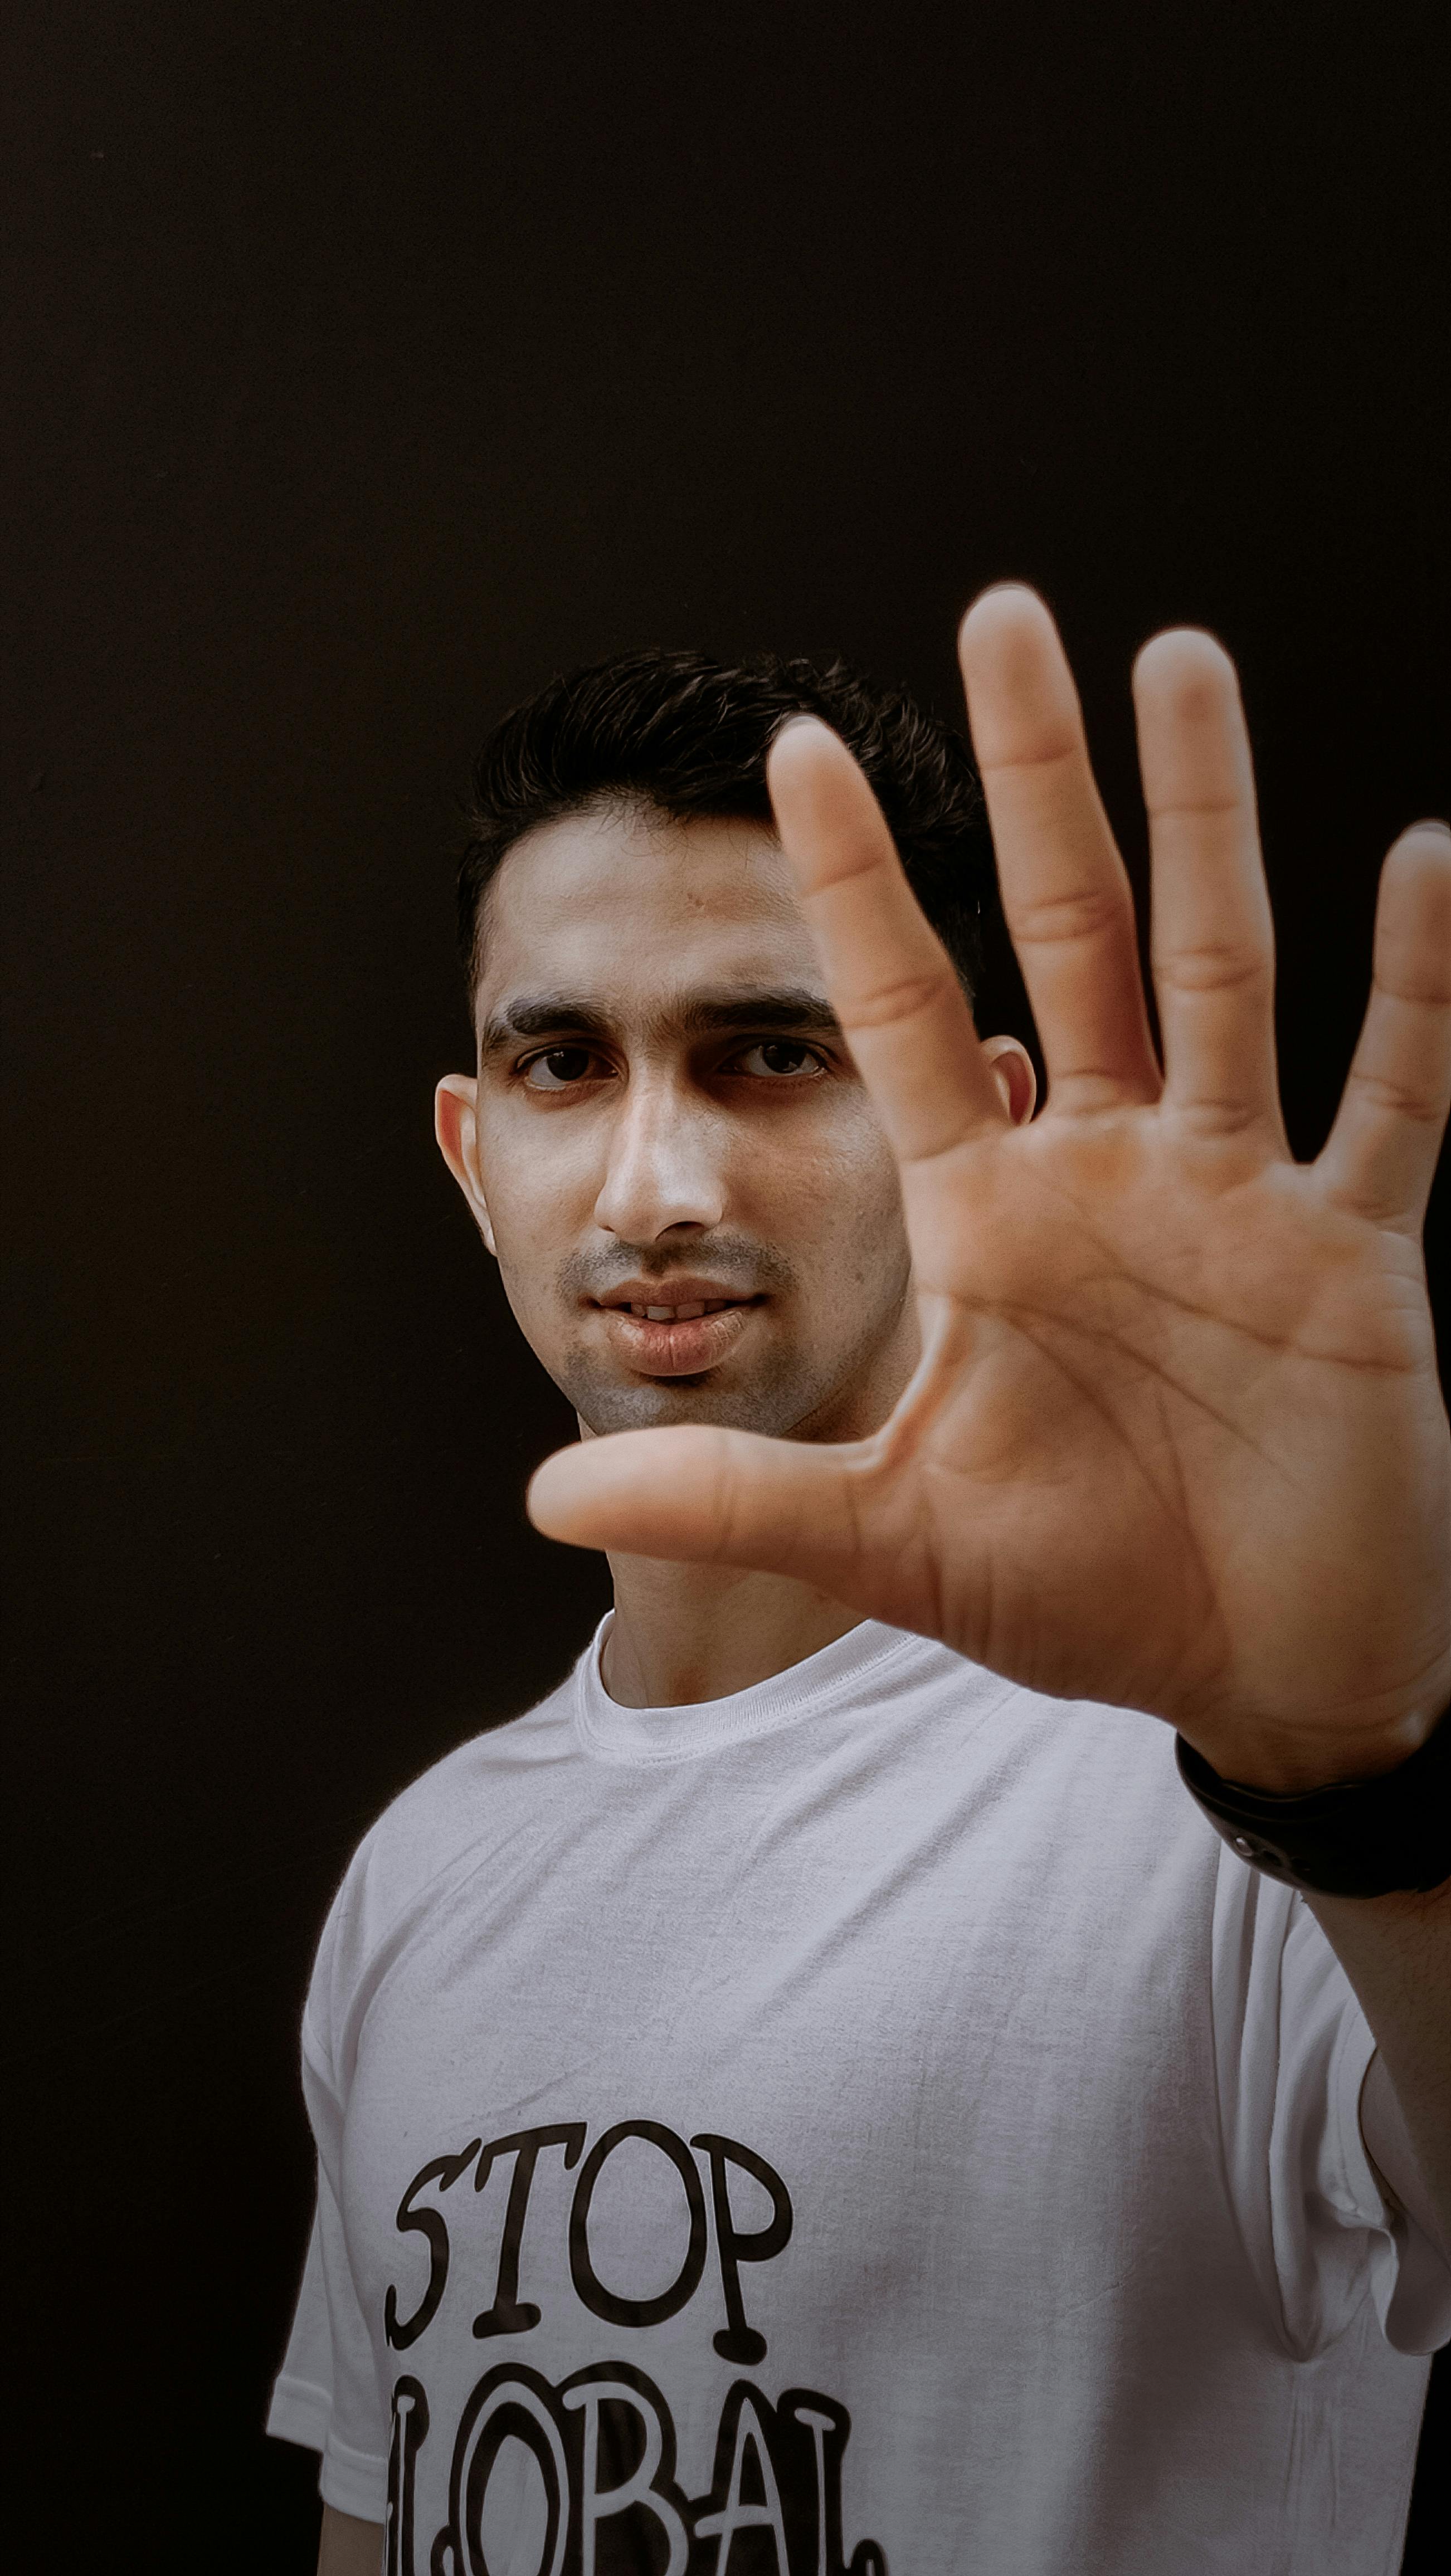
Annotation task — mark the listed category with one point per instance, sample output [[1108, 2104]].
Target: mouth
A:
[[682, 1337]]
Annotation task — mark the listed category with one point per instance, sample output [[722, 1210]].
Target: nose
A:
[[664, 1167]]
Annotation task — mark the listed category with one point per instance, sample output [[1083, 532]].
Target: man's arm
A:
[[1177, 1441], [349, 2547], [1396, 1951]]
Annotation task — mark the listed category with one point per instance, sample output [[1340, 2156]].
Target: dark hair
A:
[[689, 736]]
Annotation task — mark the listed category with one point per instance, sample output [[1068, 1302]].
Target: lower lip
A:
[[676, 1350]]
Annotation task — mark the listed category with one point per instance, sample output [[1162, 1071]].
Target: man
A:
[[819, 2093]]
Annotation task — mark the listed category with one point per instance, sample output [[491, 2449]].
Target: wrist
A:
[[1289, 1762], [1379, 1834], [1286, 1757]]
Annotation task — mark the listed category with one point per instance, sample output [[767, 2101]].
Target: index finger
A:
[[892, 984]]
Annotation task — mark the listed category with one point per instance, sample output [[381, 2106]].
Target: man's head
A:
[[688, 737], [664, 1112]]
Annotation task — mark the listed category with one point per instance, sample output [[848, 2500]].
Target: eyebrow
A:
[[709, 1011]]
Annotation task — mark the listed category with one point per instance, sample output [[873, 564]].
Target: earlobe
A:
[[455, 1124], [1011, 1067]]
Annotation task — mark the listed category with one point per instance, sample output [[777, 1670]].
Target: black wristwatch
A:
[[1356, 1838]]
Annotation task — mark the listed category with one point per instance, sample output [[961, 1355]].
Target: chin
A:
[[647, 1404]]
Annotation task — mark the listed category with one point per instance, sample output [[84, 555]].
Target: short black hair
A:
[[688, 736]]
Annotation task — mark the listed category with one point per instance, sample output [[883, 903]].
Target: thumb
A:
[[698, 1492]]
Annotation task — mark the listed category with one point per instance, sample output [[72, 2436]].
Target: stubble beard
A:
[[785, 1393], [777, 1395]]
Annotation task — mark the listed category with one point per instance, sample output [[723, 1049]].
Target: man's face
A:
[[666, 1118]]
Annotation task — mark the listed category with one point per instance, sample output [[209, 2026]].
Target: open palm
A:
[[1176, 1441]]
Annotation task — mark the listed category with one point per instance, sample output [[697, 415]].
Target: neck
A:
[[684, 1633]]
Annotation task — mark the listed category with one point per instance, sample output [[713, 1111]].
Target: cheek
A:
[[535, 1187], [856, 1154], [836, 1202], [532, 1236]]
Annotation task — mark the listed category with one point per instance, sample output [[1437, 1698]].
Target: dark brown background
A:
[[370, 366]]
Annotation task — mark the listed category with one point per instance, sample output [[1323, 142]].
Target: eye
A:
[[559, 1068], [783, 1059]]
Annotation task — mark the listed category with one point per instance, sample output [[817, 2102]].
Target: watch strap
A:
[[1376, 1837]]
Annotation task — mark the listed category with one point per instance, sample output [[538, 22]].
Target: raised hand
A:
[[1176, 1441]]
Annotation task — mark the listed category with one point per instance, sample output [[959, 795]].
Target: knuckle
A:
[[1414, 980], [1212, 966], [906, 999], [1396, 1099], [1221, 1117], [1075, 913], [1058, 746]]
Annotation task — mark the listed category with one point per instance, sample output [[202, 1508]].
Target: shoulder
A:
[[449, 1806], [444, 1821]]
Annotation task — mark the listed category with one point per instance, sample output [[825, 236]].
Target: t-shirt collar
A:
[[854, 1667]]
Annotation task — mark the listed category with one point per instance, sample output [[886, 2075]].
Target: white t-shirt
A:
[[870, 2122]]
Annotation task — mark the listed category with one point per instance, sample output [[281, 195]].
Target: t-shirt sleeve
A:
[[302, 2393], [1293, 2049], [327, 2393]]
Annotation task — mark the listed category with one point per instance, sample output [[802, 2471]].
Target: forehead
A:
[[625, 904]]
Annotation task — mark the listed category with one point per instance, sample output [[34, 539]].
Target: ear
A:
[[1011, 1067], [456, 1125]]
